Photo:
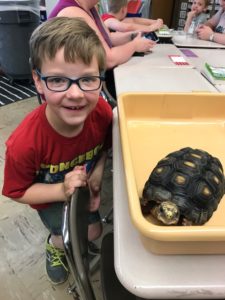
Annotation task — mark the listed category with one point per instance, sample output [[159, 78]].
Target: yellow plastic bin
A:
[[151, 126]]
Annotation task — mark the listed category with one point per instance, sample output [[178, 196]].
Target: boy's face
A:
[[67, 110], [198, 6]]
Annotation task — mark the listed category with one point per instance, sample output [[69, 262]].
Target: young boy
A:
[[196, 16], [116, 19], [62, 144]]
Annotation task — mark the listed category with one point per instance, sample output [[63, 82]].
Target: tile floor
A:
[[22, 235]]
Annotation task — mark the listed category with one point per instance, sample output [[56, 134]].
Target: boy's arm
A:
[[143, 24], [117, 25], [41, 193], [143, 21]]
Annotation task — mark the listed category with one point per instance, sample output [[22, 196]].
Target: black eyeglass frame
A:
[[70, 81]]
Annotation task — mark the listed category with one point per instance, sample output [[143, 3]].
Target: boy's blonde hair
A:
[[79, 40], [116, 5]]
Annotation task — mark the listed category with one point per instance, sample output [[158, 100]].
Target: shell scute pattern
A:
[[184, 188]]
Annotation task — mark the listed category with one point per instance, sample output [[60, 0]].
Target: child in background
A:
[[62, 144], [214, 29], [116, 19], [196, 16]]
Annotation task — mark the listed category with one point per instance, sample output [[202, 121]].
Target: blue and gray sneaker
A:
[[56, 264]]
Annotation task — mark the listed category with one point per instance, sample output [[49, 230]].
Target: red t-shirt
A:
[[107, 16], [37, 153]]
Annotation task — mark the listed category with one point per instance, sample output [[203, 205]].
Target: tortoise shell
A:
[[189, 179]]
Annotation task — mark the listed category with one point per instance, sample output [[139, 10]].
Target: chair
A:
[[74, 231]]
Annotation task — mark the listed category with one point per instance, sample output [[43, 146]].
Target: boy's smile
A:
[[67, 110]]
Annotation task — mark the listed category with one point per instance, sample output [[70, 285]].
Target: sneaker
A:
[[56, 264]]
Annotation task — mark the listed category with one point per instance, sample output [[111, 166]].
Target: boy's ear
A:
[[37, 82], [124, 11]]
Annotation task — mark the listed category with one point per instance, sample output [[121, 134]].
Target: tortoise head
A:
[[167, 212]]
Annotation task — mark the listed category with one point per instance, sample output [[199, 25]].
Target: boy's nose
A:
[[74, 90]]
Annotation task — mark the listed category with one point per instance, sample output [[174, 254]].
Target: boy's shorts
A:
[[52, 217]]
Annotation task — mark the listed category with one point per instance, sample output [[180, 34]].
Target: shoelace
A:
[[56, 255]]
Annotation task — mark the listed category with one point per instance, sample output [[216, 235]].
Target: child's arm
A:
[[40, 193], [144, 24], [143, 21], [117, 25], [190, 17], [95, 182]]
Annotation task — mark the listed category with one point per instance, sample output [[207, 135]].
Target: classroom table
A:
[[220, 88], [198, 57], [158, 57], [152, 276], [214, 57], [159, 79], [182, 39]]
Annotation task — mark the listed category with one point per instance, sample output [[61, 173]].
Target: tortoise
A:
[[184, 188]]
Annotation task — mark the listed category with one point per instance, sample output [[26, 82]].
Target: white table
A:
[[153, 276], [140, 78], [158, 57], [214, 57], [220, 88], [181, 39]]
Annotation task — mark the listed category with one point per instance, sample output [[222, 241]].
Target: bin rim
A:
[[18, 7]]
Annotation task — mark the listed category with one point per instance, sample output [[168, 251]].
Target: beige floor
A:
[[22, 235]]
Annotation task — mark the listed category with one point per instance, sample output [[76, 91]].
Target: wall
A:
[[162, 9]]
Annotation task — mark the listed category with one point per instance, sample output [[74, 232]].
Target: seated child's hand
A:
[[191, 14], [74, 179], [159, 22]]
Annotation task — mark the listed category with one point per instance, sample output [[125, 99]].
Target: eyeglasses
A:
[[61, 84]]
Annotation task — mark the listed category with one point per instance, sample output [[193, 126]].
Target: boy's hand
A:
[[74, 179], [159, 23]]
